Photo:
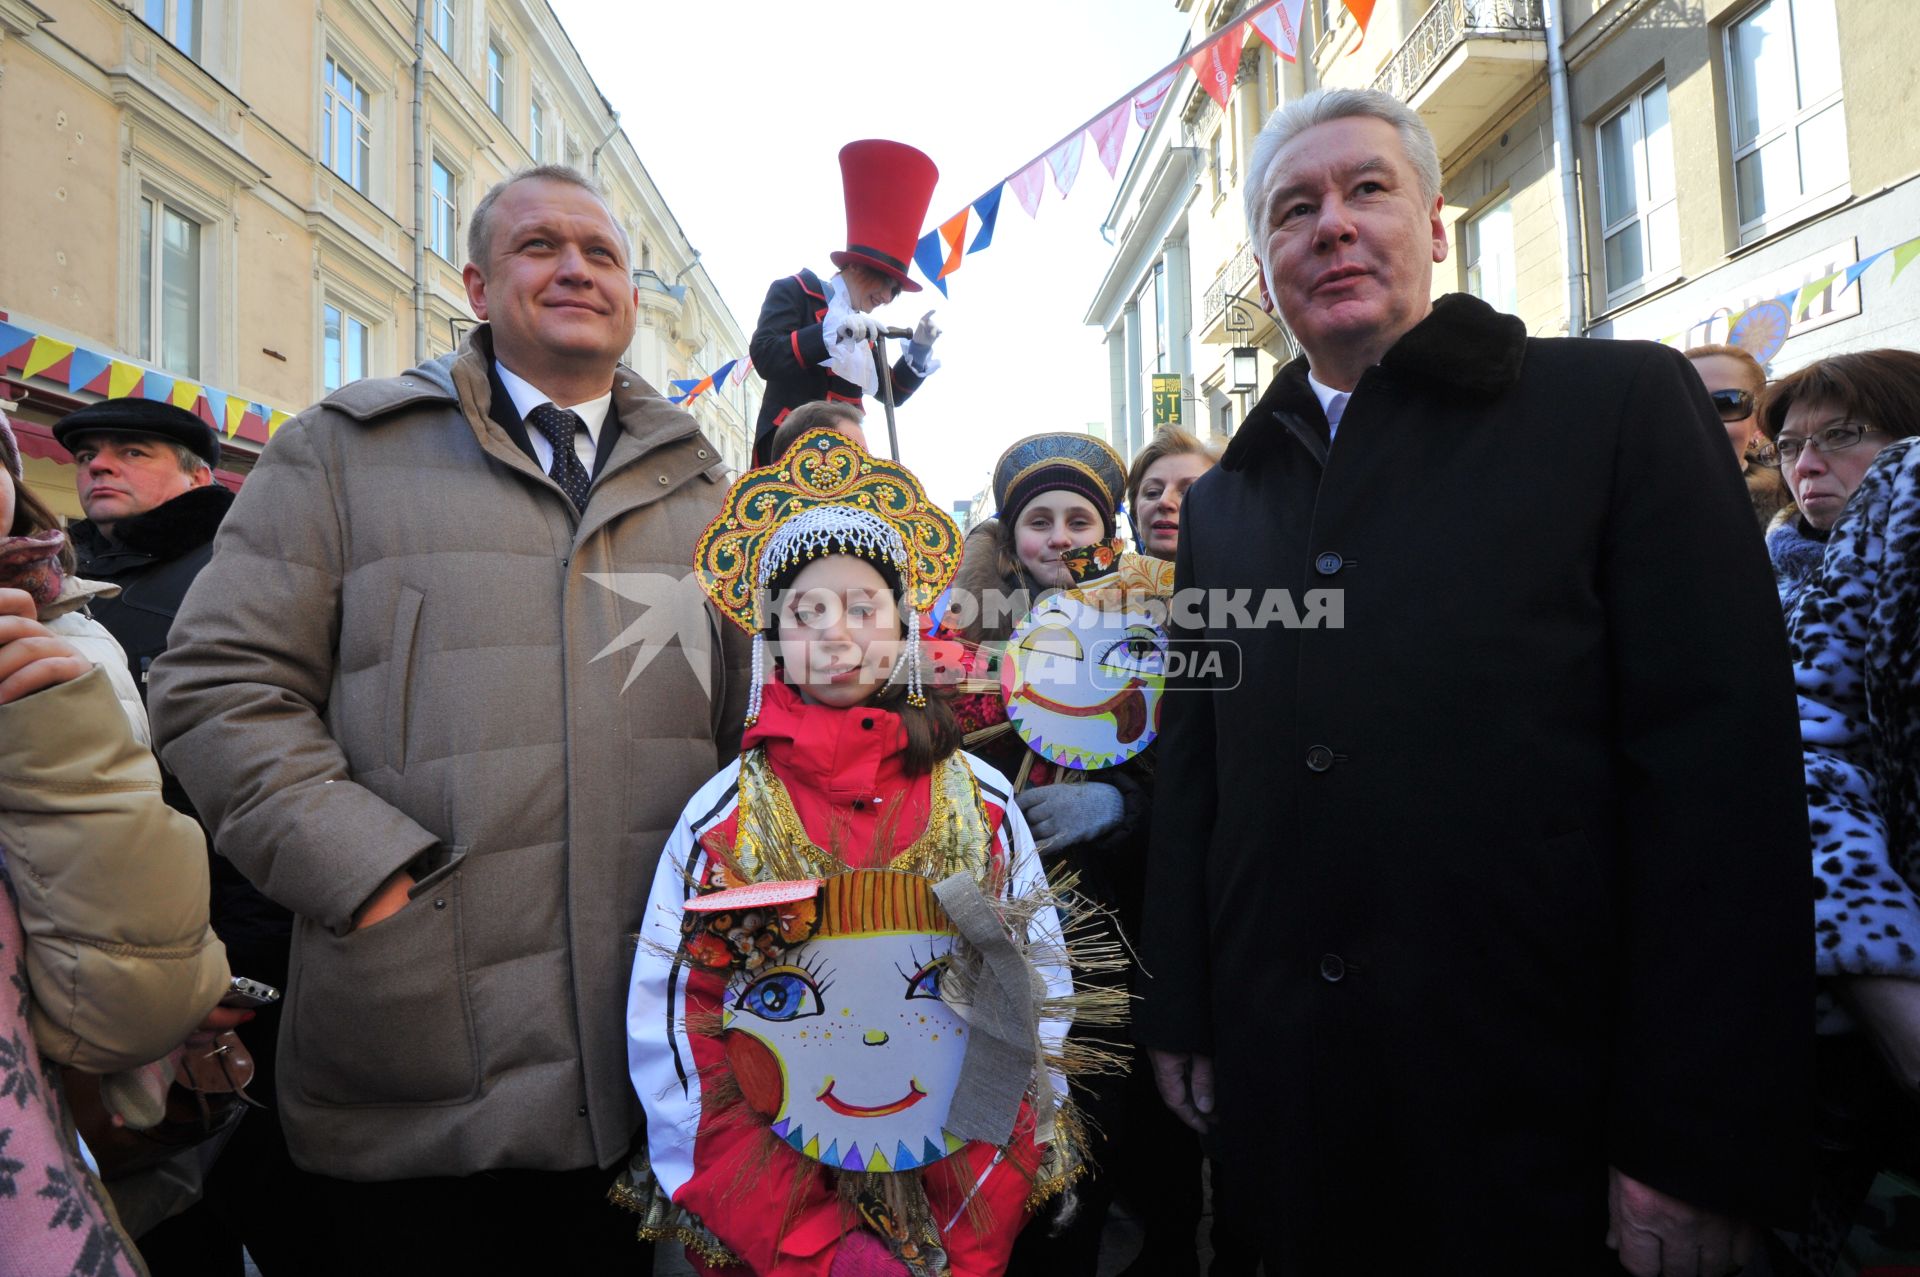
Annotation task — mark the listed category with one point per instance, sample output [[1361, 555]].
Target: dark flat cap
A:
[[142, 417]]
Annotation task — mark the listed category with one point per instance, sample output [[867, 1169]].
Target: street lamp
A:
[[1243, 364]]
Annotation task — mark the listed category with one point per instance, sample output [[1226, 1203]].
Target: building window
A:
[[573, 155], [179, 21], [1789, 130], [496, 79], [1151, 303], [537, 131], [1639, 221], [1489, 254], [444, 231], [345, 357], [346, 126], [442, 20], [1215, 166], [169, 288]]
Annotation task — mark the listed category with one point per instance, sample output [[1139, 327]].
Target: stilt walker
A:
[[817, 340]]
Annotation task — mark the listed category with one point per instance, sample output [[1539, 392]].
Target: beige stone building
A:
[[258, 202], [1707, 155]]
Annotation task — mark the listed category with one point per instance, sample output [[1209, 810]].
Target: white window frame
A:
[[169, 24], [443, 211], [150, 287], [538, 129], [355, 170], [1473, 255], [443, 26], [499, 63], [1646, 206], [1772, 219], [333, 375]]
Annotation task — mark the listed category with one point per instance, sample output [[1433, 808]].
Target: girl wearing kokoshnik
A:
[[849, 1005], [1065, 661]]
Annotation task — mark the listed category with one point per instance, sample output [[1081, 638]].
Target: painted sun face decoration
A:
[[1083, 685], [858, 1046]]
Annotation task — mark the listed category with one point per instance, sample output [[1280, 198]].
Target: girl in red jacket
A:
[[832, 1023]]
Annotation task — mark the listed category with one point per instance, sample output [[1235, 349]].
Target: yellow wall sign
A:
[[1166, 398]]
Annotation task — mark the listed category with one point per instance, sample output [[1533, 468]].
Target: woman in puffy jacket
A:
[[103, 902]]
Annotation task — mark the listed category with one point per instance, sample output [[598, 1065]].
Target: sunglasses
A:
[[1732, 405]]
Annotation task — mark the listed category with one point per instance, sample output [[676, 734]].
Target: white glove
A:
[[1063, 816], [920, 349], [855, 326]]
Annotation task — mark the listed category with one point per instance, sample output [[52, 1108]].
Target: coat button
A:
[[581, 1111], [1332, 968], [702, 454], [1319, 758], [439, 904], [664, 481], [866, 724], [1328, 563]]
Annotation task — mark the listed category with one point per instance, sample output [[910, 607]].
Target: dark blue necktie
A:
[[559, 425]]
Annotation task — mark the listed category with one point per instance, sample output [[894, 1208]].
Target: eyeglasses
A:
[[1732, 405], [1826, 442]]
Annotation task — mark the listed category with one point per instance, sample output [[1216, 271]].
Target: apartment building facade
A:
[[243, 207], [1710, 155]]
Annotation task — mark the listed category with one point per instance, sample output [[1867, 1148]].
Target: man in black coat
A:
[[145, 479], [814, 340], [1479, 924]]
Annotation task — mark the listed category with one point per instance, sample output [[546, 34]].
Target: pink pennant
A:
[[1029, 183], [1279, 26], [1218, 65], [1109, 134], [1064, 160], [1148, 101]]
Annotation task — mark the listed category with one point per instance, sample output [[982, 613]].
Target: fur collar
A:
[[1463, 345], [167, 531]]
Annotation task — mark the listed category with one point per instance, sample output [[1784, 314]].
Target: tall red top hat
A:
[[888, 187]]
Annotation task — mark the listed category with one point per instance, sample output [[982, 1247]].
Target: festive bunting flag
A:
[[124, 381], [1362, 11], [1148, 101], [185, 394], [236, 410], [1904, 254], [277, 420], [720, 373], [954, 232], [1810, 292], [12, 342], [988, 207], [1028, 184], [216, 408], [1280, 27], [1109, 134], [156, 385], [87, 367], [1859, 268], [46, 353], [929, 257], [1218, 64], [745, 366], [1064, 160]]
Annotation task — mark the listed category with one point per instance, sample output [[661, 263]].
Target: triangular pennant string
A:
[[46, 354], [1362, 11], [1218, 64], [1147, 102], [1859, 268], [13, 341], [86, 369], [1109, 134], [124, 381], [929, 257], [1811, 291], [1280, 28], [953, 232], [988, 207], [1904, 254]]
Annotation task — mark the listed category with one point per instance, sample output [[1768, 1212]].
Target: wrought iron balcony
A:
[[1233, 278], [1450, 24]]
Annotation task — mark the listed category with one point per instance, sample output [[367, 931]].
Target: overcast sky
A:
[[739, 110]]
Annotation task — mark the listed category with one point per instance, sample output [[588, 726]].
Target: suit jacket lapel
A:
[[504, 414]]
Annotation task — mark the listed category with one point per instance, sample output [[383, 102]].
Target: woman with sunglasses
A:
[[1734, 380], [1828, 422]]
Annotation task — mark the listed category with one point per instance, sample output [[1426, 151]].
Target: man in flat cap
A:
[[144, 470]]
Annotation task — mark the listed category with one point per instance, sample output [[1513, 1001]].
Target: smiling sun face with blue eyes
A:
[[1083, 685], [869, 1056]]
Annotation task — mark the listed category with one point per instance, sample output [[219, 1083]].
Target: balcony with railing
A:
[[1466, 60]]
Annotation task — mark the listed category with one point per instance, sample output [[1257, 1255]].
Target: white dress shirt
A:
[[593, 413], [1332, 402]]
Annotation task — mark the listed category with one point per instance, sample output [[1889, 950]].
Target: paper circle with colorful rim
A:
[[1761, 329], [1083, 686], [844, 1044]]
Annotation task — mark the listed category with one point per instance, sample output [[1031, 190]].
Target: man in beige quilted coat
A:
[[442, 692]]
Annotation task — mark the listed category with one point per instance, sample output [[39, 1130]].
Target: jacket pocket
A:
[[406, 625], [381, 1016]]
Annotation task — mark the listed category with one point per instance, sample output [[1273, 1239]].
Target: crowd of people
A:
[[653, 854]]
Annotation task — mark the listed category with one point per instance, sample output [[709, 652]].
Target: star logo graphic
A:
[[676, 608]]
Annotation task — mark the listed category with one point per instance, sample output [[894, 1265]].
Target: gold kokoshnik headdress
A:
[[825, 496]]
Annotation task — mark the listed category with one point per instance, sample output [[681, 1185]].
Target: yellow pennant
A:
[[124, 380], [45, 354], [185, 394]]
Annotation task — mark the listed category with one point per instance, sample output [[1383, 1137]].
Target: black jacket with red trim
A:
[[789, 352]]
